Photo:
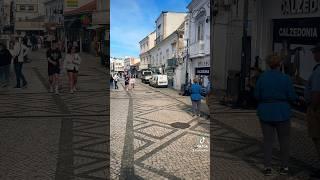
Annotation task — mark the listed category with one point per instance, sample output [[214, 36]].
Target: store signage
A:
[[72, 3], [301, 30], [203, 71], [292, 7]]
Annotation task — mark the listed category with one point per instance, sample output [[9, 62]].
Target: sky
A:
[[132, 20]]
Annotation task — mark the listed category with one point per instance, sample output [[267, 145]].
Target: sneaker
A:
[[267, 171], [24, 85], [284, 171]]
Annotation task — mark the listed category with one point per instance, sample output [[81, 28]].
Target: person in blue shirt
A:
[[274, 92], [195, 95]]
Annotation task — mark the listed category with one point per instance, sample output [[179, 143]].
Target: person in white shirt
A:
[[71, 64], [18, 53], [132, 81], [116, 78]]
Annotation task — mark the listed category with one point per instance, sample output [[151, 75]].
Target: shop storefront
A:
[[290, 28]]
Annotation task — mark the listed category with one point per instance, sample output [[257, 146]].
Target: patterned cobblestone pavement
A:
[[46, 136], [152, 148], [237, 144]]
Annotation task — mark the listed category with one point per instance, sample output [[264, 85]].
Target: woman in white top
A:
[[132, 81], [72, 63]]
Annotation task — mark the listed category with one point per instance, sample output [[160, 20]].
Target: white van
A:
[[159, 80]]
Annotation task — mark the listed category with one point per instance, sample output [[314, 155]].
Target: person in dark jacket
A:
[[195, 95], [274, 92], [5, 62]]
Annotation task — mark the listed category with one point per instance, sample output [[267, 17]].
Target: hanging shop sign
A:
[[72, 3], [298, 31], [293, 7], [203, 71]]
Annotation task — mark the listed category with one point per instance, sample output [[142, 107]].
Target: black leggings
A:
[[283, 131]]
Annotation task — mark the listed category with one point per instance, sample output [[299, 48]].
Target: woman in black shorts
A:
[[126, 82], [72, 64]]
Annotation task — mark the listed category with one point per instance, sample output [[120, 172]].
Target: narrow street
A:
[[146, 144], [45, 136]]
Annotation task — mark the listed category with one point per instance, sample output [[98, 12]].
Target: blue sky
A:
[[132, 20]]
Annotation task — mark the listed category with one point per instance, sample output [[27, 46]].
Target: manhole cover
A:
[[180, 125]]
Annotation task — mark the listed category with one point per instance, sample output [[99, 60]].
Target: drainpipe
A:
[[211, 39]]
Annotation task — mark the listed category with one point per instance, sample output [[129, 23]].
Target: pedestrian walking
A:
[[195, 95], [54, 58], [116, 79], [274, 92], [19, 52], [5, 62], [126, 82], [72, 65], [312, 99], [132, 81]]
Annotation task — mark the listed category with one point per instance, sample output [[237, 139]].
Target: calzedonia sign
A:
[[203, 71], [292, 7], [298, 30]]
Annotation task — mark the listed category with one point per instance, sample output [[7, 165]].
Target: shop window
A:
[[22, 8], [31, 8]]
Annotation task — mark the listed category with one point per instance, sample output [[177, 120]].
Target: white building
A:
[[146, 44], [29, 16], [117, 65], [165, 54], [198, 37]]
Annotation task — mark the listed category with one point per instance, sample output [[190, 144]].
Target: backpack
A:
[[203, 91]]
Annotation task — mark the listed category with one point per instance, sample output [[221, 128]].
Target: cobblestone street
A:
[[46, 136], [146, 144], [237, 144]]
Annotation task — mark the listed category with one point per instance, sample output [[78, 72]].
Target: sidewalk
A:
[[48, 136], [185, 99]]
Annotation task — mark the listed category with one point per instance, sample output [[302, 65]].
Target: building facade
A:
[[287, 27], [146, 44], [198, 37], [29, 16], [54, 17], [165, 54], [77, 20]]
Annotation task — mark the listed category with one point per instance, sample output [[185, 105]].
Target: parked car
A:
[[146, 75], [159, 80]]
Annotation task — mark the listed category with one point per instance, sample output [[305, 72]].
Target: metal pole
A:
[[244, 55], [211, 39]]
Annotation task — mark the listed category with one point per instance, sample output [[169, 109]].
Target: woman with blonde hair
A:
[[274, 92]]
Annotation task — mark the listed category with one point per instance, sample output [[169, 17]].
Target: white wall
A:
[[172, 22]]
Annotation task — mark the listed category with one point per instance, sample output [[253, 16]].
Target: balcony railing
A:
[[158, 39]]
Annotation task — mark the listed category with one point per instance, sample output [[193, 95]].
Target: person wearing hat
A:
[[274, 91], [312, 99]]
